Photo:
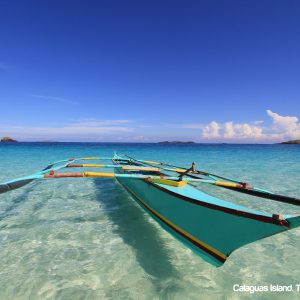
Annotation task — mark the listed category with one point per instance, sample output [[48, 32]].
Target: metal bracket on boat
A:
[[280, 218], [245, 185], [191, 169]]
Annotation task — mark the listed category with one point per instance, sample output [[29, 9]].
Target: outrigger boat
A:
[[212, 227]]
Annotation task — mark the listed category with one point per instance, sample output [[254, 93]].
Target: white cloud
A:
[[283, 122], [284, 127], [244, 130], [279, 128], [80, 131], [55, 99], [229, 130], [257, 122], [211, 131]]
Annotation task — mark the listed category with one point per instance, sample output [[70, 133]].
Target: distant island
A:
[[292, 142], [7, 139], [176, 142]]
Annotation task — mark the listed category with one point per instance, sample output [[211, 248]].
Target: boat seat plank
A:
[[138, 168]]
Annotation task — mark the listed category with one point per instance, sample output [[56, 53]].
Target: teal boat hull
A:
[[211, 227]]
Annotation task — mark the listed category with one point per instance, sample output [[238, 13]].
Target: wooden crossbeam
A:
[[138, 168]]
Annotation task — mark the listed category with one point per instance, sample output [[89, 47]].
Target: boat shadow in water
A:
[[136, 230], [15, 203]]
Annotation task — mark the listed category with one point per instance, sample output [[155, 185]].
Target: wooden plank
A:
[[85, 166], [138, 168]]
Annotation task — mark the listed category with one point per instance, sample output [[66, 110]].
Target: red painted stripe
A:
[[74, 165], [63, 175]]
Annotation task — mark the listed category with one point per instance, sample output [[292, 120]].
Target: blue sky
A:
[[150, 70]]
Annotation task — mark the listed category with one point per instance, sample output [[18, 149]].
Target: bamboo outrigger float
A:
[[212, 227]]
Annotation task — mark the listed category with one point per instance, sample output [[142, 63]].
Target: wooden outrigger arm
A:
[[213, 227], [224, 182], [189, 174]]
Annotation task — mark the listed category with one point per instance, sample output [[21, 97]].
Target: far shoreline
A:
[[10, 141], [144, 143]]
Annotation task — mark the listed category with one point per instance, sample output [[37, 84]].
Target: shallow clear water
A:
[[87, 238]]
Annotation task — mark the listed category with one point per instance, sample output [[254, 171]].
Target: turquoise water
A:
[[87, 238]]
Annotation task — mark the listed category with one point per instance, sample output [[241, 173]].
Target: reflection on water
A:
[[88, 239], [137, 230]]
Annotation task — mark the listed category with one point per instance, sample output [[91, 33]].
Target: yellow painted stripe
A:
[[137, 168], [226, 183], [169, 182], [179, 170], [183, 232], [97, 174], [93, 165], [152, 162], [90, 158]]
